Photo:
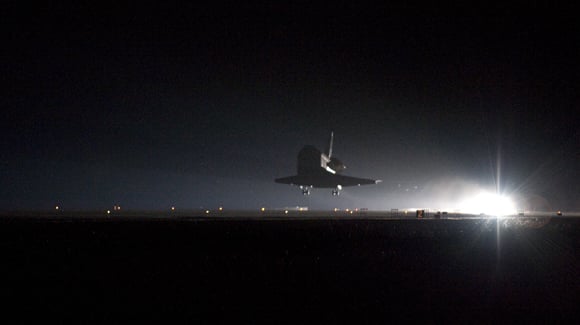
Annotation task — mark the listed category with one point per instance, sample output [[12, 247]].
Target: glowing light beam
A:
[[489, 203]]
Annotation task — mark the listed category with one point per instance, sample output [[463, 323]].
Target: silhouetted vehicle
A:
[[317, 169]]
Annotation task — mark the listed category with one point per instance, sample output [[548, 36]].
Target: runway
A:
[[290, 269], [267, 214]]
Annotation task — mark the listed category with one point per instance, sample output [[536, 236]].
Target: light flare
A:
[[490, 204]]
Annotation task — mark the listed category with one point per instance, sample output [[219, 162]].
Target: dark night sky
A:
[[187, 105]]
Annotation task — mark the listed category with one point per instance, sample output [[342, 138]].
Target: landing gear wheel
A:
[[335, 192], [305, 191]]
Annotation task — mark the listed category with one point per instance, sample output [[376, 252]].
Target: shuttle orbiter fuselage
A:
[[317, 169]]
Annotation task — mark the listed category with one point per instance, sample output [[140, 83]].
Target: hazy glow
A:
[[488, 203]]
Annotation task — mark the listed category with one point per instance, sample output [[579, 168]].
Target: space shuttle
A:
[[322, 170]]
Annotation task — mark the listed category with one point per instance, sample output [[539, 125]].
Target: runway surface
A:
[[258, 214], [288, 269]]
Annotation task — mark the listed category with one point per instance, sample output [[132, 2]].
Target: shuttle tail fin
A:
[[329, 151]]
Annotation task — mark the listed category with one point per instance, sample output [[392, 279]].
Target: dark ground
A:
[[324, 271]]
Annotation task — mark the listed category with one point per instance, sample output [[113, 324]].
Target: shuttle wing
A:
[[354, 181], [326, 180]]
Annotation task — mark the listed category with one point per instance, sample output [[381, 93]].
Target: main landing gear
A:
[[336, 191], [306, 190]]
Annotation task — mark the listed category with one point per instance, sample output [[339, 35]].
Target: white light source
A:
[[489, 203]]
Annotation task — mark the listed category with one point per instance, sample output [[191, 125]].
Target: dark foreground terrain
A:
[[291, 271]]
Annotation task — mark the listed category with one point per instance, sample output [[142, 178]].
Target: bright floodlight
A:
[[489, 203]]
